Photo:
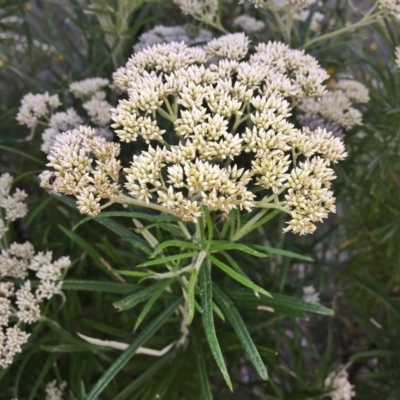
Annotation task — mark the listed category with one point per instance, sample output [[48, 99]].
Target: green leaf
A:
[[123, 359], [175, 243], [133, 273], [126, 214], [151, 301], [138, 296], [284, 253], [217, 246], [23, 154], [208, 322], [233, 316], [97, 286], [374, 353], [120, 230], [43, 371], [278, 303], [127, 392], [200, 367], [192, 284], [164, 382], [165, 260], [240, 278], [254, 223], [71, 348], [90, 250]]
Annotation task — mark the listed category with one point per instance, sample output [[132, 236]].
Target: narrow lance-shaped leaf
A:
[[229, 310], [137, 297], [151, 301], [200, 367], [240, 278], [192, 284], [122, 360], [208, 322]]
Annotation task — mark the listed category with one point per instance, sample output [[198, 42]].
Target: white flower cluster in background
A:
[[167, 34], [19, 303], [39, 108], [397, 56], [280, 4], [225, 132], [36, 106], [335, 107], [393, 6], [310, 295], [315, 22], [248, 24], [338, 382], [55, 390], [20, 43], [204, 10]]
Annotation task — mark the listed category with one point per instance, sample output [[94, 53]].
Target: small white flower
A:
[[310, 295], [88, 87], [338, 383]]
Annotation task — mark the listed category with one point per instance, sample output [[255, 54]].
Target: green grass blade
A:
[[151, 301], [221, 246], [124, 358], [233, 316], [198, 355], [127, 392], [96, 286], [22, 154], [278, 303], [208, 322], [165, 260], [130, 214], [165, 381], [137, 297], [284, 253], [240, 278], [175, 243], [192, 284]]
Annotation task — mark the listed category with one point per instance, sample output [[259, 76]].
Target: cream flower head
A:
[[216, 121]]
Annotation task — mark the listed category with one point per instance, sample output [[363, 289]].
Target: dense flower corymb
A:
[[225, 132], [19, 303], [338, 382]]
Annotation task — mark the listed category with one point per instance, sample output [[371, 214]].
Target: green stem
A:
[[247, 226], [166, 115], [130, 200], [368, 19]]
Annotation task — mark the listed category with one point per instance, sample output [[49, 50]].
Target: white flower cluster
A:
[[393, 6], [336, 105], [41, 106], [310, 295], [248, 24], [88, 88], [35, 106], [86, 166], [316, 19], [204, 10], [55, 391], [280, 4], [167, 34], [19, 304], [339, 383], [225, 132], [20, 43], [397, 56], [12, 206]]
